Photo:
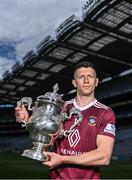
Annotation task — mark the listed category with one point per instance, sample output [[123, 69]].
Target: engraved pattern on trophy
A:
[[48, 113]]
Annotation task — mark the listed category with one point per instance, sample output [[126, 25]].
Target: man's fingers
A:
[[21, 114], [18, 109], [23, 107], [48, 155]]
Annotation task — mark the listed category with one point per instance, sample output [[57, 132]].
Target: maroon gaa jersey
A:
[[97, 119]]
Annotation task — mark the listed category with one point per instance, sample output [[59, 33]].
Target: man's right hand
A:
[[21, 114]]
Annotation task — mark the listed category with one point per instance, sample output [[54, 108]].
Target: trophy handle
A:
[[76, 122], [26, 101]]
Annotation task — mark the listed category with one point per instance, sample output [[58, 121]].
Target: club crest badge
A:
[[92, 120]]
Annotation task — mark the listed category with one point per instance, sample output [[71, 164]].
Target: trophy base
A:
[[35, 153]]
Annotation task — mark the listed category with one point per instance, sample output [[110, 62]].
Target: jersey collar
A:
[[85, 107]]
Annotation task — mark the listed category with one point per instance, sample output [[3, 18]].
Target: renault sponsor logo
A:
[[74, 138]]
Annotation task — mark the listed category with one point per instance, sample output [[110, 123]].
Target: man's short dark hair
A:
[[85, 64]]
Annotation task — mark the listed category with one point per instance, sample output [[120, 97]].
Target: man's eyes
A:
[[91, 76], [81, 77]]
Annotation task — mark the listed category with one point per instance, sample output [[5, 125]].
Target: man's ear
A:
[[74, 83], [97, 82]]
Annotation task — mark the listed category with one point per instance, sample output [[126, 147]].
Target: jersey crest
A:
[[92, 120]]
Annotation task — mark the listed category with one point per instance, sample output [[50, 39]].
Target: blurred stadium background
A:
[[103, 35]]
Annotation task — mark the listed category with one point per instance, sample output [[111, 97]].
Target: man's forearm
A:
[[92, 158]]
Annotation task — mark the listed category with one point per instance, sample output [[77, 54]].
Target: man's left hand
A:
[[54, 159]]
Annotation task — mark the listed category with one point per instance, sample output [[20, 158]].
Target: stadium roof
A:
[[102, 35]]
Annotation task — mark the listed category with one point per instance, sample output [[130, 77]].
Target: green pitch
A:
[[117, 170], [14, 166]]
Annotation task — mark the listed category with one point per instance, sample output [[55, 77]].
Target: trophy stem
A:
[[35, 152]]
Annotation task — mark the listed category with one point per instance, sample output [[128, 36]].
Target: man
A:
[[89, 145]]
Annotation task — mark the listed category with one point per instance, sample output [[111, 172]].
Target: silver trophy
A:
[[48, 112]]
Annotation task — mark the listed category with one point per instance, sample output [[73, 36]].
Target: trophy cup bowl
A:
[[44, 123]]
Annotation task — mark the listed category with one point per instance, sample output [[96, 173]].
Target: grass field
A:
[[14, 166], [117, 170]]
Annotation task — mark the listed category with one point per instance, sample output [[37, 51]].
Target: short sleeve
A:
[[107, 123]]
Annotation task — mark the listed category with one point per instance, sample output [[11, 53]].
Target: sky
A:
[[24, 23]]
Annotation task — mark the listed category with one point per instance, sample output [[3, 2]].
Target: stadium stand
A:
[[123, 149]]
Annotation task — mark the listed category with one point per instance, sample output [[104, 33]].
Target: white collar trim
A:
[[85, 107]]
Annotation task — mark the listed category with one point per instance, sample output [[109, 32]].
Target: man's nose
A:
[[86, 80]]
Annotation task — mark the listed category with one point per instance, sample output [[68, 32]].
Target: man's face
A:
[[85, 81]]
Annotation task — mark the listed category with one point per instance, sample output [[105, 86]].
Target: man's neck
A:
[[83, 101]]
